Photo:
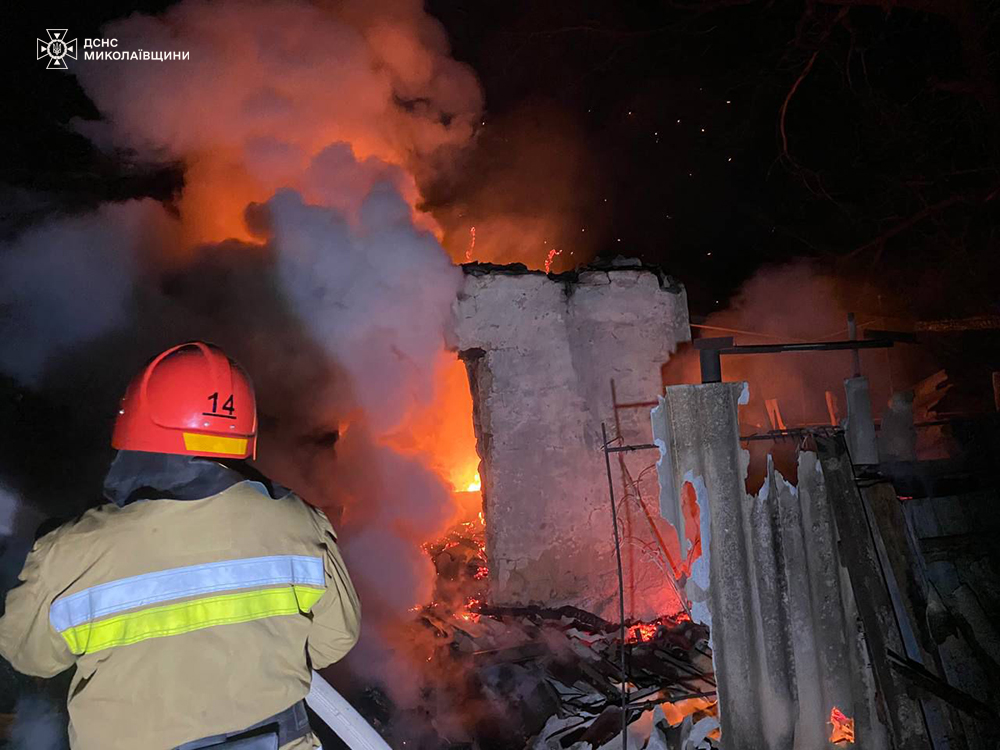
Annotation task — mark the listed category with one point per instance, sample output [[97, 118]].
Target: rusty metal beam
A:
[[711, 350]]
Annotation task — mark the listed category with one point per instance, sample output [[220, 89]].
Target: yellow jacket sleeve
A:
[[336, 621], [27, 639]]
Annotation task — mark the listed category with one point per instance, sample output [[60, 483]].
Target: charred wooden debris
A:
[[550, 678], [553, 675]]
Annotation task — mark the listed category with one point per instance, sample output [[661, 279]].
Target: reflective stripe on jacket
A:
[[184, 618]]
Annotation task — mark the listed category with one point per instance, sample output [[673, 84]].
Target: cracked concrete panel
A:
[[704, 443], [817, 613], [541, 351], [786, 646]]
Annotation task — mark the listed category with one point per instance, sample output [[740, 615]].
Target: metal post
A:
[[852, 334], [711, 365], [621, 587]]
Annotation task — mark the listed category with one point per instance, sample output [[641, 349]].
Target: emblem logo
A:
[[57, 49]]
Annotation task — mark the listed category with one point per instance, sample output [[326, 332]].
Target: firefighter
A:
[[195, 602]]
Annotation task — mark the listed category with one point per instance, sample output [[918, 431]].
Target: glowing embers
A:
[[643, 631], [471, 613], [843, 727], [646, 632], [460, 561]]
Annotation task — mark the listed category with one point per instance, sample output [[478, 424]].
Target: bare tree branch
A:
[[926, 212], [783, 112], [788, 99]]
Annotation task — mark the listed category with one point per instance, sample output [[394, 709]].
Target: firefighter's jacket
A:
[[183, 619]]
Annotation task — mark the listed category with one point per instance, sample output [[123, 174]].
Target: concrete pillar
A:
[[541, 352]]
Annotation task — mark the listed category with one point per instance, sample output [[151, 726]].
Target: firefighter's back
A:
[[188, 618]]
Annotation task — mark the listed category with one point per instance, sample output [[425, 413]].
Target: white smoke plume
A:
[[377, 296]]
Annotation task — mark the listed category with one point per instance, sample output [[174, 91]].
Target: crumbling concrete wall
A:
[[541, 352]]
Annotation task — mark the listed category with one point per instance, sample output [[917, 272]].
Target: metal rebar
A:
[[628, 482], [621, 586], [810, 346], [643, 405], [624, 448]]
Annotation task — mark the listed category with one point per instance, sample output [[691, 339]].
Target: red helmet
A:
[[191, 400]]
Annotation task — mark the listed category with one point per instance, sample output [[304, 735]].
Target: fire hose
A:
[[341, 717]]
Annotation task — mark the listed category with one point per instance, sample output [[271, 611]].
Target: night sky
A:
[[889, 181]]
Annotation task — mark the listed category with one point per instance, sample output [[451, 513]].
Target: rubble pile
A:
[[551, 679]]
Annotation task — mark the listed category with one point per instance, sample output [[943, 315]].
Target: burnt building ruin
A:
[[827, 610]]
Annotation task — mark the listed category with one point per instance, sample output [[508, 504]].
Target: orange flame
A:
[[441, 431], [843, 727], [472, 245], [548, 261], [676, 711]]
